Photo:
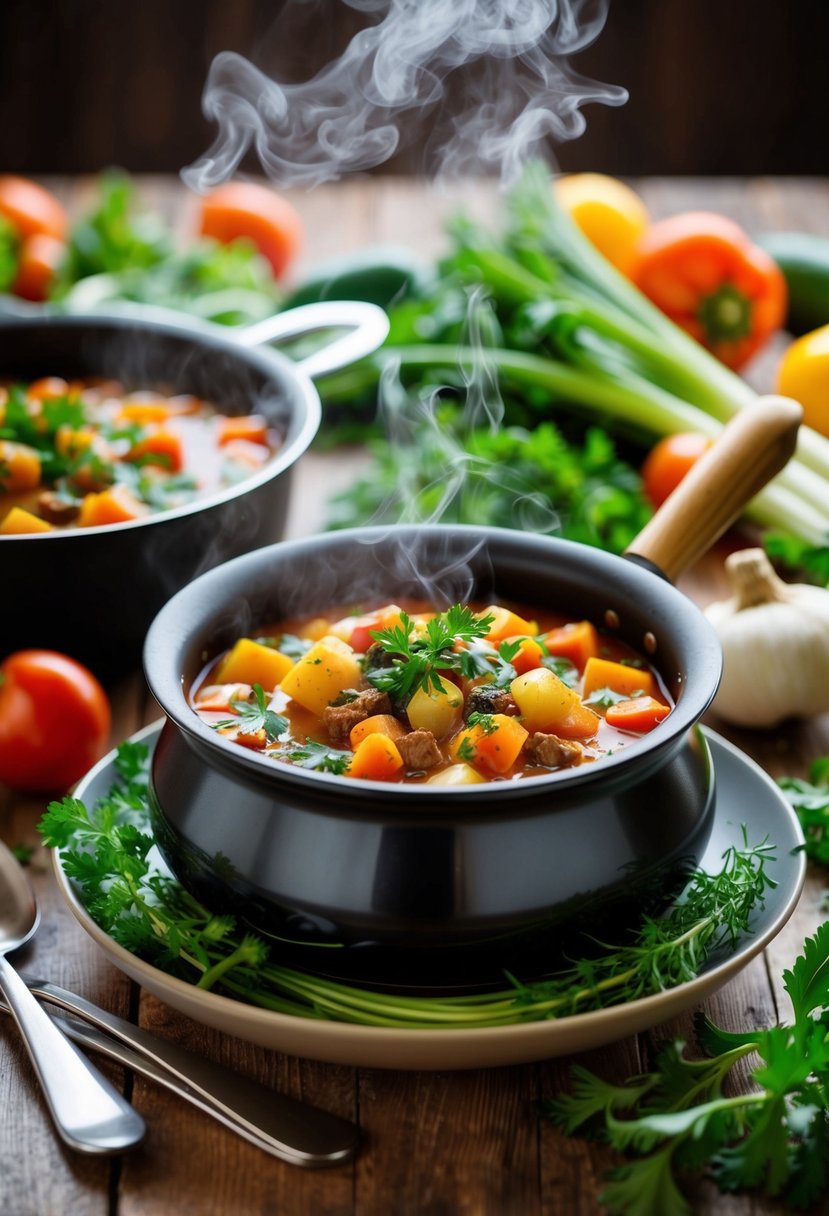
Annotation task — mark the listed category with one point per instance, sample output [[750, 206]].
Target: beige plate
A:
[[746, 795]]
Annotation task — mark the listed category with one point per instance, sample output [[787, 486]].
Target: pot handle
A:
[[367, 325], [752, 448]]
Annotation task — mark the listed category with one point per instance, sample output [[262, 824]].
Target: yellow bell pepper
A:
[[610, 214], [803, 373]]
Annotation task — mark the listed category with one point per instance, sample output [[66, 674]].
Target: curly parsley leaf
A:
[[253, 716], [419, 656]]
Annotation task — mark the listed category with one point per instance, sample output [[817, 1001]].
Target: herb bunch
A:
[[810, 801], [419, 657], [676, 1119], [107, 852]]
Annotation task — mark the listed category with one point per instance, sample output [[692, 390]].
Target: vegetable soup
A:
[[406, 694], [84, 453]]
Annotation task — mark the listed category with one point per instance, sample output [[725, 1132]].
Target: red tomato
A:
[[40, 256], [668, 462], [31, 209], [245, 209], [54, 721]]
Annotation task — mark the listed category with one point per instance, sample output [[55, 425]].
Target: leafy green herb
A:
[[466, 750], [605, 697], [417, 657], [288, 643], [772, 1138], [810, 801], [311, 754], [484, 721], [9, 253], [253, 716], [108, 854]]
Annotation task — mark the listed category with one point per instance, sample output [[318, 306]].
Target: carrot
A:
[[145, 412], [580, 723], [19, 466], [113, 506], [629, 681], [530, 654], [384, 724], [19, 522], [216, 698], [507, 624], [247, 209], [640, 714], [252, 427], [375, 759], [577, 642], [162, 447], [493, 744], [48, 388]]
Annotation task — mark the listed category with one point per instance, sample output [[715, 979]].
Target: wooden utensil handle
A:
[[752, 448]]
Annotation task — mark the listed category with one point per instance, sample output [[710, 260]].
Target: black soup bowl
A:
[[92, 592], [429, 885]]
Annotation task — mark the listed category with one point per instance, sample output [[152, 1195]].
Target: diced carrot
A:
[[384, 724], [145, 412], [493, 745], [22, 523], [507, 624], [216, 698], [530, 654], [254, 739], [376, 759], [629, 681], [48, 388], [640, 714], [580, 723], [577, 642], [252, 427], [163, 447], [19, 466], [117, 505], [250, 662]]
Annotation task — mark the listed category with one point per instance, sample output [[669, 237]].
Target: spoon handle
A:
[[294, 1130], [90, 1115]]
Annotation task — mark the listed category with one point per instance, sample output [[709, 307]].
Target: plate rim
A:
[[358, 1044]]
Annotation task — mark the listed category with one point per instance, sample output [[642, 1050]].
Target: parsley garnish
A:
[[605, 697], [311, 754], [418, 660], [252, 716], [485, 722]]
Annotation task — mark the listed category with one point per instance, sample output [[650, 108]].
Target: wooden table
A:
[[433, 1144]]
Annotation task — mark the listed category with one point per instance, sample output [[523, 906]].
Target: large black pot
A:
[[392, 882], [92, 592]]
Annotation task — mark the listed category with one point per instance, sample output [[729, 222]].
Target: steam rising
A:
[[498, 69]]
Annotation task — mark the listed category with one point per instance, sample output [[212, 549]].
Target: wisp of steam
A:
[[495, 73]]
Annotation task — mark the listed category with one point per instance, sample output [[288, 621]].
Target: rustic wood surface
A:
[[433, 1143]]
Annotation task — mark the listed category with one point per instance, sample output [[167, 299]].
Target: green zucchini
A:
[[382, 274], [804, 259]]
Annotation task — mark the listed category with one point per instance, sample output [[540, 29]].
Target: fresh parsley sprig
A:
[[810, 800], [311, 754], [419, 657], [772, 1138], [107, 851], [253, 716]]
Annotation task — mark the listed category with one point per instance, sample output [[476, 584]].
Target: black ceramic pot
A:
[[92, 592], [432, 884]]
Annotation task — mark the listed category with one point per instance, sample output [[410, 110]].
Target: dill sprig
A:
[[107, 852]]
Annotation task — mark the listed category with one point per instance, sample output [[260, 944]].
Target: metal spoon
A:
[[89, 1113]]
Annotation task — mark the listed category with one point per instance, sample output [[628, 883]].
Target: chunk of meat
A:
[[340, 719], [419, 750], [57, 510], [489, 699], [553, 752]]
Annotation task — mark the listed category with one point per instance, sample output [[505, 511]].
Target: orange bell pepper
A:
[[705, 273]]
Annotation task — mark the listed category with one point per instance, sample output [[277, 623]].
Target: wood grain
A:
[[434, 1144]]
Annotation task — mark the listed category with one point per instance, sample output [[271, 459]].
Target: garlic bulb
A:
[[775, 640]]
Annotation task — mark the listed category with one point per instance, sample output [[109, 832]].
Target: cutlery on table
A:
[[286, 1127], [90, 1115]]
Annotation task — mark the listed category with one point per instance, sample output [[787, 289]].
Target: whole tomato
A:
[[668, 461], [54, 721], [247, 209]]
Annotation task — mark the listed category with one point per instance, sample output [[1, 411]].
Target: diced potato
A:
[[322, 673], [543, 699], [250, 662], [22, 523], [436, 709], [456, 774]]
